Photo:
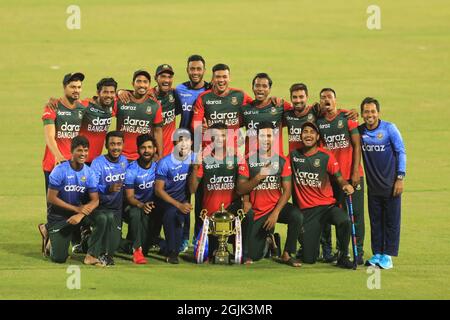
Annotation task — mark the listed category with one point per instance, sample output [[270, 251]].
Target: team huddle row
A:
[[151, 169]]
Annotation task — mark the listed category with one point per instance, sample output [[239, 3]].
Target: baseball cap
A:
[[72, 76], [164, 68], [141, 73], [312, 125]]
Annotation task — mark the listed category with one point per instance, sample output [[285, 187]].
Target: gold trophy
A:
[[222, 225]]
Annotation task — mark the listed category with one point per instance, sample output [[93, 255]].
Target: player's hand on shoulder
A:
[[124, 95]]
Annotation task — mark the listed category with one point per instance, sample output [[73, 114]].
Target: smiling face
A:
[[141, 85], [147, 151], [261, 89], [370, 115], [72, 90], [299, 98], [165, 81], [106, 96], [114, 146], [309, 136], [80, 154], [195, 71], [221, 80]]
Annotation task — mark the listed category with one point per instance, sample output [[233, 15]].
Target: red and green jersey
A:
[[311, 177], [253, 115], [336, 134], [294, 123], [218, 178], [135, 118], [169, 113], [265, 196], [67, 123], [94, 126]]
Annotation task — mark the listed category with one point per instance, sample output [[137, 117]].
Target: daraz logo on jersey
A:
[[147, 185], [338, 141], [99, 124], [68, 131], [308, 179], [168, 116], [180, 177], [135, 126], [74, 188], [186, 107], [115, 177], [228, 118], [220, 183], [374, 147], [269, 183], [210, 102]]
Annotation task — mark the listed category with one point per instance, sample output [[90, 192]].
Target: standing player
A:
[[263, 109], [312, 169], [69, 184], [171, 189], [266, 175], [141, 115], [341, 137], [139, 190], [217, 173], [110, 172], [385, 165], [189, 91]]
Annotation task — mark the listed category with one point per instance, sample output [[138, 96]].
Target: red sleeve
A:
[[247, 99], [200, 171], [287, 171], [332, 165], [243, 170], [352, 125], [199, 112], [287, 106], [114, 111], [48, 114], [158, 117], [85, 102]]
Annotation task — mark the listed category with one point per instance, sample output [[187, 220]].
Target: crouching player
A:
[[171, 189], [266, 175], [139, 191], [110, 172], [69, 183], [312, 168]]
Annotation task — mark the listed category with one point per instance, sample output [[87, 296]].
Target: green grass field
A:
[[321, 43]]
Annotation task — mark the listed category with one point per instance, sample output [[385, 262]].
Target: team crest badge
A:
[[340, 124], [80, 114], [83, 179], [380, 136], [310, 117], [230, 165], [316, 163], [273, 110], [358, 187], [171, 98], [234, 101], [149, 110]]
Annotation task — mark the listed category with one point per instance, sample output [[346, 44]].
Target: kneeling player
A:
[[266, 175], [139, 190], [69, 183], [312, 168], [171, 188]]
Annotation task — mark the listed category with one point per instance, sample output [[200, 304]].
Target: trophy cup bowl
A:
[[222, 226]]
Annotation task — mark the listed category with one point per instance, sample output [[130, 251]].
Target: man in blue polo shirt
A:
[[384, 158]]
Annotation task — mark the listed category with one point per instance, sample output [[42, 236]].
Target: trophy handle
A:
[[241, 214], [203, 214]]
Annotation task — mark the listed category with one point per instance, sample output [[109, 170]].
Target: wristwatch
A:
[[400, 177]]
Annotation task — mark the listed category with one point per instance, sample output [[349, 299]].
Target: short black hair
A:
[[144, 138], [262, 75], [219, 126], [106, 82], [297, 87], [79, 141], [111, 134], [327, 89], [196, 57], [368, 100], [219, 67]]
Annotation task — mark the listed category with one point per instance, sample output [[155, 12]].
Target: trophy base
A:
[[222, 259]]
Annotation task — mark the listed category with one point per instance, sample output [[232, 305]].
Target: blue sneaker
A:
[[374, 261], [385, 262], [184, 246]]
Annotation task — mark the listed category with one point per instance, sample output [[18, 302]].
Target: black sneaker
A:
[[329, 257], [345, 262], [173, 259], [110, 260], [277, 248]]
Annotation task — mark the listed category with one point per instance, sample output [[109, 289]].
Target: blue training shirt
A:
[[186, 97], [384, 157], [107, 174], [174, 173], [141, 180], [73, 188]]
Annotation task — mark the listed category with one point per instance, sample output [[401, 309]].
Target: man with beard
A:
[[340, 136], [69, 184], [171, 189], [139, 191], [143, 114], [110, 172]]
